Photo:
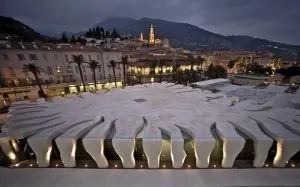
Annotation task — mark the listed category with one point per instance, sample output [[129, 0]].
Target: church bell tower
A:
[[151, 35]]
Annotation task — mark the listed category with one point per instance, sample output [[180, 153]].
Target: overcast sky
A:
[[277, 20]]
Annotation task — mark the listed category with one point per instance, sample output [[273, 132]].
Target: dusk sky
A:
[[276, 20]]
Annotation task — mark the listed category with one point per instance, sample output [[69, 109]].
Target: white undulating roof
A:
[[146, 111]]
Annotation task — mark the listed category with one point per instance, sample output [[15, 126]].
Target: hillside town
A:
[[120, 61]]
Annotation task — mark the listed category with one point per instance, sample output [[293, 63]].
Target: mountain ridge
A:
[[180, 34], [18, 30], [192, 37]]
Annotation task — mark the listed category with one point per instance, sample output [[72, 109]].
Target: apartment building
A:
[[55, 62]]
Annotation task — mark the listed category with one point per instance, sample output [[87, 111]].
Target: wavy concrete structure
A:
[[204, 141], [177, 143], [124, 138], [94, 142], [288, 143], [233, 143], [151, 111], [66, 143], [262, 143], [7, 147], [152, 144], [41, 143], [286, 118], [7, 139]]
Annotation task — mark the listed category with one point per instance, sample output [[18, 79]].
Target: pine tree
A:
[[73, 40], [114, 34], [107, 34], [64, 38]]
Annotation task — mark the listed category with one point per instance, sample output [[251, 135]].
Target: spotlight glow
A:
[[85, 165], [164, 166], [189, 166], [116, 166], [215, 165], [31, 165], [12, 155]]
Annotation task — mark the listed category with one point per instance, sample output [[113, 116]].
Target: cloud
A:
[[271, 19]]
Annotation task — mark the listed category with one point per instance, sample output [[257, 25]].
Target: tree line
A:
[[97, 33]]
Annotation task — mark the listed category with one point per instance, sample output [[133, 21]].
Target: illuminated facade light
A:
[[189, 166], [293, 165], [56, 165], [215, 165], [85, 165], [141, 166], [17, 165], [31, 165], [164, 166], [15, 145], [116, 165], [12, 155]]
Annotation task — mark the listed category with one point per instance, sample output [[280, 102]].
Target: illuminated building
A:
[[151, 35]]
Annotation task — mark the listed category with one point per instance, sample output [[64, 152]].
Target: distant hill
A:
[[192, 37], [180, 34], [17, 30]]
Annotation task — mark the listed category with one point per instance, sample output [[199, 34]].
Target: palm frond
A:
[[94, 65], [124, 60], [31, 67], [77, 59], [113, 64]]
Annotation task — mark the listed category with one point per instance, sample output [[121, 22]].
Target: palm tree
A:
[[35, 70], [153, 65], [231, 64], [124, 62], [176, 70], [192, 60], [245, 63], [201, 61], [161, 63], [93, 65], [78, 59], [114, 64]]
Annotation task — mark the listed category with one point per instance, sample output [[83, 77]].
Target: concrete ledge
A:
[[60, 177]]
